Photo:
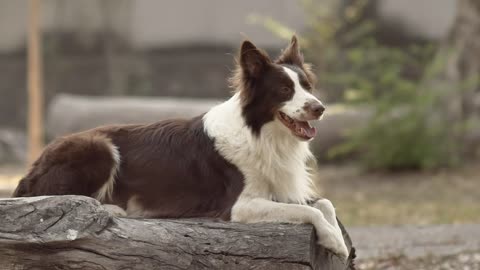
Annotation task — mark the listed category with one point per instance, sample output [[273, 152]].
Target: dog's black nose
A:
[[315, 108], [318, 109]]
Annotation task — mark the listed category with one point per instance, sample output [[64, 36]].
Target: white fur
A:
[[294, 108], [277, 179], [274, 164], [136, 209], [253, 210], [114, 210], [105, 192], [328, 211]]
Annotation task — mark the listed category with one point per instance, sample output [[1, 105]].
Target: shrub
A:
[[407, 129]]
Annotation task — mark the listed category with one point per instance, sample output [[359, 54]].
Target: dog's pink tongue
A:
[[307, 130]]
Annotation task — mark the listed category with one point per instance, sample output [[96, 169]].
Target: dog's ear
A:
[[252, 60], [291, 55]]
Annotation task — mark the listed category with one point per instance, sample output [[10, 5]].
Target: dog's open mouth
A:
[[301, 129]]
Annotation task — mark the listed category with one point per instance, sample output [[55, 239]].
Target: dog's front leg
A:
[[253, 210]]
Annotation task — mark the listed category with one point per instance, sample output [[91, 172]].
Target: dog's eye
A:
[[285, 90]]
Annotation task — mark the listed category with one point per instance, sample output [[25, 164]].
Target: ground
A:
[[466, 261], [366, 198], [441, 197]]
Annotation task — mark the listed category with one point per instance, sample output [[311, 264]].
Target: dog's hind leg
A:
[[81, 164]]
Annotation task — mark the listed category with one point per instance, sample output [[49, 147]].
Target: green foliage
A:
[[404, 135], [407, 129]]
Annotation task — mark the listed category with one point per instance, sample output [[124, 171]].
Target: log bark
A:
[[75, 232]]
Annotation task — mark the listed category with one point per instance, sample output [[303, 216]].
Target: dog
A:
[[245, 160]]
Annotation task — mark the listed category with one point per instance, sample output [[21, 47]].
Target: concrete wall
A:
[[159, 23], [210, 21], [13, 16], [430, 19], [153, 23], [156, 27]]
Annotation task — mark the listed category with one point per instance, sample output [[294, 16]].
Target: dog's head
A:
[[279, 90]]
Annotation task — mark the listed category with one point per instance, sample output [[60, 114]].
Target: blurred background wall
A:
[[163, 48]]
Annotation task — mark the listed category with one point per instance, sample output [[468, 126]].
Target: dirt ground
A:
[[361, 198], [468, 261]]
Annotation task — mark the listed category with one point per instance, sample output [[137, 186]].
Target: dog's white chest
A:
[[273, 163]]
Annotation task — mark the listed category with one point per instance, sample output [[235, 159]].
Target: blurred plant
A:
[[352, 65], [407, 129]]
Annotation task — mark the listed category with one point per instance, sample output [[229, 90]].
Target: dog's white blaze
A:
[[106, 191], [295, 107]]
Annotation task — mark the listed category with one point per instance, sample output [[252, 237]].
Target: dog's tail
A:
[[80, 164]]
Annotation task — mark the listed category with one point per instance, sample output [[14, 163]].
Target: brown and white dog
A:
[[245, 160]]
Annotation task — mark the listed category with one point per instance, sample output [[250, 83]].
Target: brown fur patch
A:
[[77, 164], [293, 56], [171, 168]]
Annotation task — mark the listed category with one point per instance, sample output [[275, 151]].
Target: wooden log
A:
[[75, 232]]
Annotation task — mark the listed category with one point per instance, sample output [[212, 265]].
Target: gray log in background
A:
[[75, 232], [69, 113]]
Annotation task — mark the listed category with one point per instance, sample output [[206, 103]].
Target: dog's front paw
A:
[[334, 241], [327, 209]]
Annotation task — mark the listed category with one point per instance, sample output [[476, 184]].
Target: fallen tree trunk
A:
[[68, 114], [75, 232]]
